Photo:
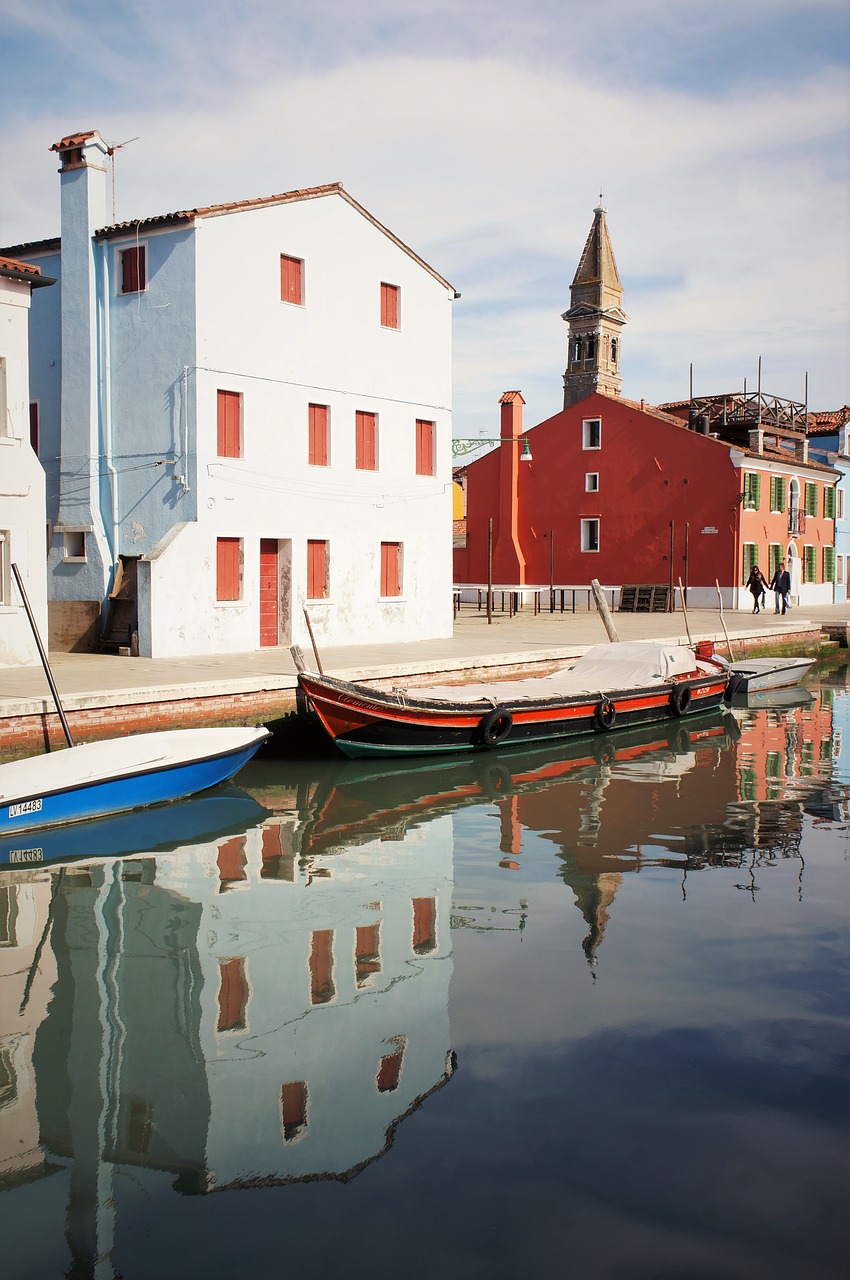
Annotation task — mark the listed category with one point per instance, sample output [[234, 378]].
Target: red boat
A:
[[610, 687]]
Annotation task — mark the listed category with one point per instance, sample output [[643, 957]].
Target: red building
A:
[[627, 493]]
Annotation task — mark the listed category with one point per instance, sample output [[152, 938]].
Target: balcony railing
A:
[[796, 520]]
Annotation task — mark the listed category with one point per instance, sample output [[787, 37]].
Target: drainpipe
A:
[[106, 404]]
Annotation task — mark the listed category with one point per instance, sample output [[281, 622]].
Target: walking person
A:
[[756, 584], [780, 585]]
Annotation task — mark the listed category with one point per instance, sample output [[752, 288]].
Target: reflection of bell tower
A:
[[595, 318]]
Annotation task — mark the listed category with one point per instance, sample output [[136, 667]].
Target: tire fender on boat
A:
[[495, 726], [680, 699], [735, 682], [604, 715]]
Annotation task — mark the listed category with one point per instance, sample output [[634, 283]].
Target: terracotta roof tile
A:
[[13, 264], [73, 140]]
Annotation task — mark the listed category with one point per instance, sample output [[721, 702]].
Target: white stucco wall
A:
[[22, 504], [280, 358]]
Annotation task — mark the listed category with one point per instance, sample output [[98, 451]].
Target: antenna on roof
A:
[[110, 151]]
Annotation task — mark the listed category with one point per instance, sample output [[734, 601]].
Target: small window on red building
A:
[[133, 269], [390, 305], [317, 426], [291, 280], [317, 570], [424, 447], [390, 568], [366, 441], [228, 569], [229, 424]]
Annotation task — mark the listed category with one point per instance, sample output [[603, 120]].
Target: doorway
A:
[[275, 577]]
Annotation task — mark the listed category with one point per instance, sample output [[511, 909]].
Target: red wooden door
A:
[[269, 592]]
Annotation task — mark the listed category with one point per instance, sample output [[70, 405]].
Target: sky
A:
[[481, 132]]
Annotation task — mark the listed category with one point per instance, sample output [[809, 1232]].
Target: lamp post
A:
[[463, 446]]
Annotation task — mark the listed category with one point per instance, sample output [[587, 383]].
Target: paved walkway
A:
[[84, 678]]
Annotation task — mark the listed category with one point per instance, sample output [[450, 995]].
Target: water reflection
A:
[[256, 993]]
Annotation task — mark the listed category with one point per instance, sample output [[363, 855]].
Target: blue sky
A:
[[481, 132]]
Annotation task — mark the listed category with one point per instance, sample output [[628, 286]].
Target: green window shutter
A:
[[781, 493], [774, 555], [809, 564], [752, 488], [756, 492], [777, 493], [829, 502], [829, 564], [749, 558], [811, 499]]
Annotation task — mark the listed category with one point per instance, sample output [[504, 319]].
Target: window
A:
[[752, 491], [829, 502], [577, 348], [389, 1071], [424, 925], [317, 570], [231, 861], [318, 432], [810, 573], [322, 988], [228, 569], [74, 544], [751, 558], [293, 1109], [777, 493], [390, 306], [367, 953], [424, 447], [839, 512], [365, 445], [614, 349], [232, 995], [774, 555], [591, 481], [811, 498], [390, 568], [591, 347], [5, 569], [590, 535], [591, 433], [829, 564], [291, 280], [134, 269], [839, 569], [229, 444], [34, 426]]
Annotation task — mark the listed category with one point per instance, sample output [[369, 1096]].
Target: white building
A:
[[250, 410], [22, 501]]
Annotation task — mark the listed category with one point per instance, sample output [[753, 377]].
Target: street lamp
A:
[[461, 447]]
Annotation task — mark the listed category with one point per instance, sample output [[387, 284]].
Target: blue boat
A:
[[95, 779]]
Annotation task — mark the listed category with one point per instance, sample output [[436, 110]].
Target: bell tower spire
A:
[[595, 317]]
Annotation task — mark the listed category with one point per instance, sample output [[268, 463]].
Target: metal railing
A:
[[796, 520]]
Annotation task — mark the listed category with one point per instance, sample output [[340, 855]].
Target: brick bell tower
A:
[[595, 318]]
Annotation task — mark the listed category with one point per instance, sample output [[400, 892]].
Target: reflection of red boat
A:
[[359, 802], [611, 686]]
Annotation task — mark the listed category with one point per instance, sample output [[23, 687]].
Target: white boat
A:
[[752, 675], [100, 778]]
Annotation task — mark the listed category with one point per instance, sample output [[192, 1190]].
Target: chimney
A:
[[801, 450], [84, 199], [508, 558], [757, 440], [511, 420]]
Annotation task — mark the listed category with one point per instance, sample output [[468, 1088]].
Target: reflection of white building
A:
[[324, 1004], [27, 973]]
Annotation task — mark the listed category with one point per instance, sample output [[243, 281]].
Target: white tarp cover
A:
[[632, 665]]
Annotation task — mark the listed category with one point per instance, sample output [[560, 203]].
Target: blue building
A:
[[829, 442]]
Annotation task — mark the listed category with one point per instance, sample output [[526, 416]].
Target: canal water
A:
[[580, 1012]]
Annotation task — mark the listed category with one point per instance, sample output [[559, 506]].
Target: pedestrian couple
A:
[[780, 585]]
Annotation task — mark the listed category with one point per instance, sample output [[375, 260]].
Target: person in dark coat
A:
[[780, 585], [757, 586]]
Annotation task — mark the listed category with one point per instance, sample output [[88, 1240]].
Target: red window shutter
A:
[[390, 569], [34, 426], [229, 424], [389, 305], [291, 279], [322, 987], [365, 437], [231, 860], [228, 556], [232, 995], [389, 1071], [317, 570], [133, 277], [424, 925], [317, 453], [366, 952], [293, 1108], [424, 447]]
